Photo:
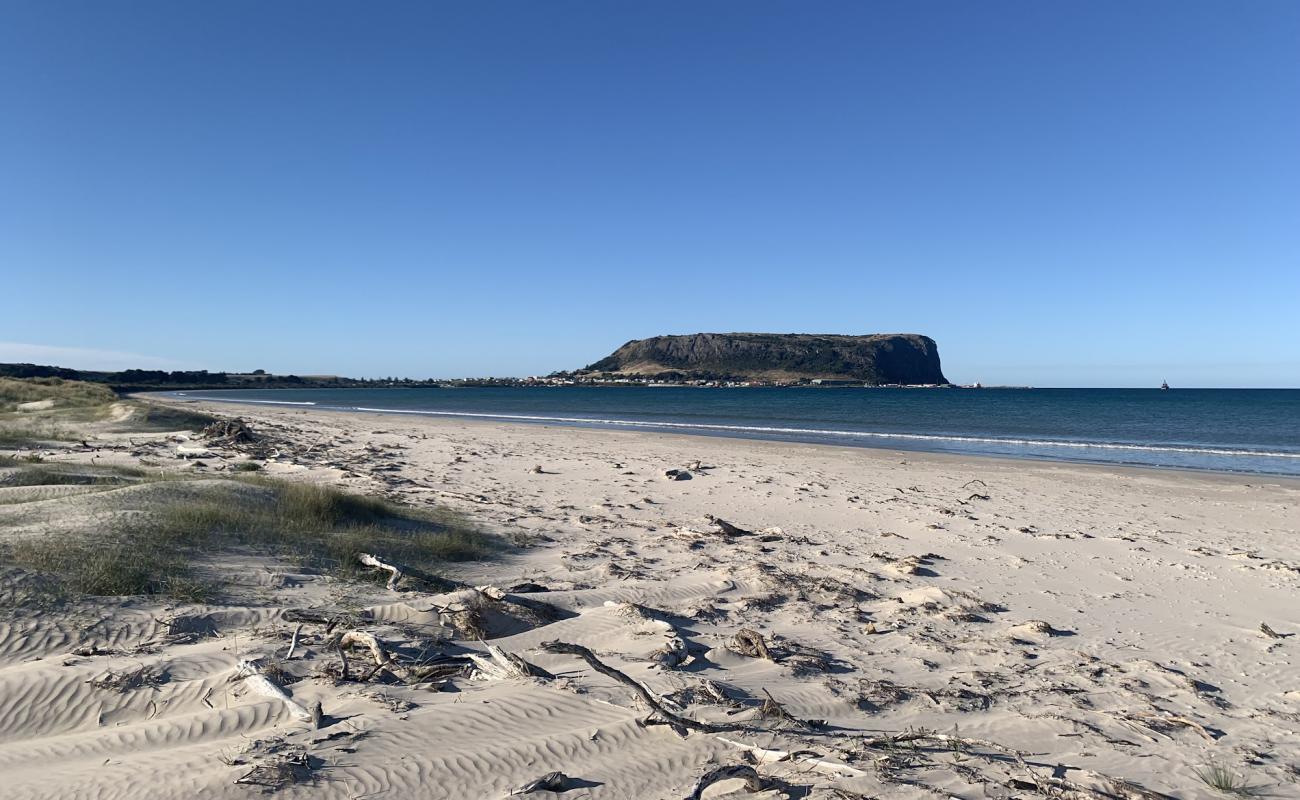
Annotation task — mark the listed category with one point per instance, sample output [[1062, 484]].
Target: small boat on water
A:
[[1164, 386]]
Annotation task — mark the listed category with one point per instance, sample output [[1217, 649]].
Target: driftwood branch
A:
[[293, 643], [673, 719], [1054, 787], [500, 665], [398, 572], [395, 572], [228, 431], [378, 653]]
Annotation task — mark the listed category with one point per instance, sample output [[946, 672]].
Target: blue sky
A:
[[1061, 194]]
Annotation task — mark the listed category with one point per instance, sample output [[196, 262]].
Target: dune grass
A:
[[323, 527], [34, 434], [158, 549], [173, 543], [72, 401], [114, 566], [151, 418], [65, 394], [41, 474], [77, 402]]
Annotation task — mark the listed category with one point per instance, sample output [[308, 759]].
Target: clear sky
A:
[[1060, 193]]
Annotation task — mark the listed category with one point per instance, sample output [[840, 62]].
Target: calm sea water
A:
[[1238, 430]]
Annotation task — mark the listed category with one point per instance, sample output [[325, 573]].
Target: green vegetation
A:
[[63, 393], [64, 403], [175, 539], [1221, 779], [874, 358], [116, 565], [56, 475], [154, 549], [61, 402], [150, 418], [132, 380], [15, 437], [317, 526]]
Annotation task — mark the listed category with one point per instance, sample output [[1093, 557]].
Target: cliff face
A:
[[876, 359]]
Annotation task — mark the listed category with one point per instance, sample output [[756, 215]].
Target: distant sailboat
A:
[[1164, 386]]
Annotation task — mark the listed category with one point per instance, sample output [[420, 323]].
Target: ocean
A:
[[1228, 430]]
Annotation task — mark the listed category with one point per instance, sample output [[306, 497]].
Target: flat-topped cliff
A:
[[881, 358]]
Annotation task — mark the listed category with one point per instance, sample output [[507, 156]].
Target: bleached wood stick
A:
[[395, 572], [293, 643], [369, 641], [251, 673], [398, 572]]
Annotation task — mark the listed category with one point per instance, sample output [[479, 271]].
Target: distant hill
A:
[[133, 380], [882, 358]]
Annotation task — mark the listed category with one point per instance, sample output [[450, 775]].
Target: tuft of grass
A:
[[1221, 779], [247, 466]]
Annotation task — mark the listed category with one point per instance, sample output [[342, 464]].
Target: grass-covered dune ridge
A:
[[137, 533], [61, 393], [39, 412]]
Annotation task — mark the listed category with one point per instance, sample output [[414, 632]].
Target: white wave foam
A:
[[840, 433], [266, 402]]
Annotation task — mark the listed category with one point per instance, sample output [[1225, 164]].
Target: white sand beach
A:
[[1029, 629]]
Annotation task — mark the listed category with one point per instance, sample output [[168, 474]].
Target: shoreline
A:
[[222, 406]]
